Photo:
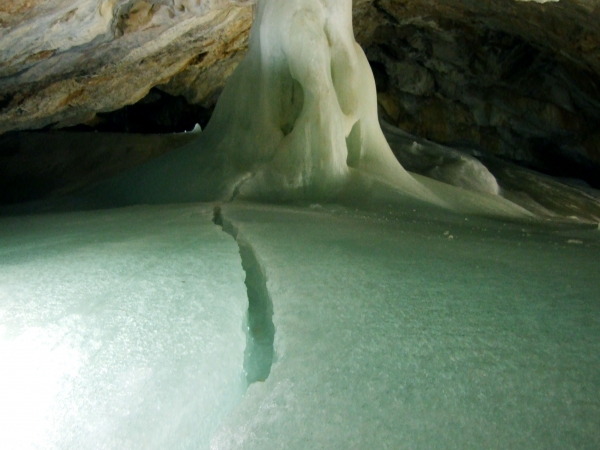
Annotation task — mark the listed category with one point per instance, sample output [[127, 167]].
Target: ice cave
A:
[[299, 224]]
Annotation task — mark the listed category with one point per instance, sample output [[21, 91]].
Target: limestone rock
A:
[[509, 78], [64, 61]]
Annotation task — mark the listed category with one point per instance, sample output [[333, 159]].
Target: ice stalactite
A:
[[297, 119]]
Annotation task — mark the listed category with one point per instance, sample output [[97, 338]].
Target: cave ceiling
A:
[[519, 79]]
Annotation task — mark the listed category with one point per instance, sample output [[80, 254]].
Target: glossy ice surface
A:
[[118, 329], [396, 328], [416, 328]]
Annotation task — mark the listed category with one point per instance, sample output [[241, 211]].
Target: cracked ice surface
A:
[[420, 329], [395, 328], [259, 354], [118, 329]]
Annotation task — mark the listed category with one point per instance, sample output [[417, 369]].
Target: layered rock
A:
[[519, 80], [63, 62]]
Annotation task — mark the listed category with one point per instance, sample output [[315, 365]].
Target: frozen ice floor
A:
[[446, 332], [119, 329], [393, 329]]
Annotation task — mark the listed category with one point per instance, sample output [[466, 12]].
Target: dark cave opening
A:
[[35, 164], [157, 113]]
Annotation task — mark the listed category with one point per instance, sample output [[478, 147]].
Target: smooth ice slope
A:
[[119, 329], [422, 330], [439, 162], [540, 194]]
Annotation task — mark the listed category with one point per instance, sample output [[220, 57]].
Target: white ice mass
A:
[[402, 319], [297, 120], [439, 162]]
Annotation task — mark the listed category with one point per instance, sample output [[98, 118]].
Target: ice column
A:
[[299, 115], [297, 119]]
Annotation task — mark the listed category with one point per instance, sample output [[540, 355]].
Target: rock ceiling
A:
[[519, 79], [64, 61]]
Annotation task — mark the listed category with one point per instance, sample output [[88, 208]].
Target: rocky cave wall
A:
[[63, 62], [515, 79]]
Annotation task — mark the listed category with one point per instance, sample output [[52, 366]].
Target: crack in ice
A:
[[260, 331]]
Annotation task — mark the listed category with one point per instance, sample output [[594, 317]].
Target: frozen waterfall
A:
[[296, 119]]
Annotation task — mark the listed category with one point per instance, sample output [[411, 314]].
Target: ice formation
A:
[[439, 162], [297, 119], [309, 111]]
